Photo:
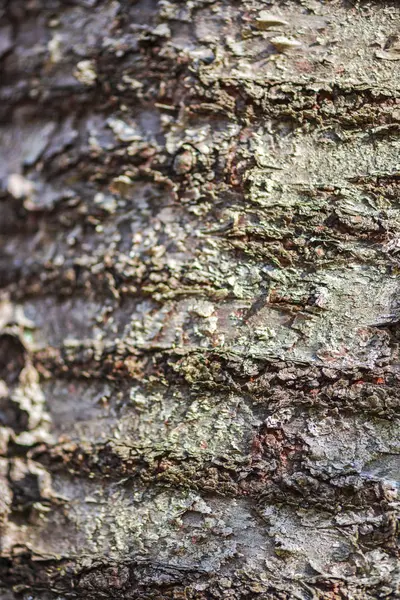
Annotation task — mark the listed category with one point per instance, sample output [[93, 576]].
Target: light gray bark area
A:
[[199, 362]]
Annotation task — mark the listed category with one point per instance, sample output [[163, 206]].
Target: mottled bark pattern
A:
[[199, 348]]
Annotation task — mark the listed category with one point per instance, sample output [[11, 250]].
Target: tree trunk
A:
[[199, 316]]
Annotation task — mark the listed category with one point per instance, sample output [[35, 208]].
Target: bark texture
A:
[[200, 230]]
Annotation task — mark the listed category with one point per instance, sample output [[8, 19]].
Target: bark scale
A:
[[199, 277]]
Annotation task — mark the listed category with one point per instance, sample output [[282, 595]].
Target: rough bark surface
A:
[[199, 347]]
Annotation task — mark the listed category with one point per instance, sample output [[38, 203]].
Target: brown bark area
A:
[[199, 316]]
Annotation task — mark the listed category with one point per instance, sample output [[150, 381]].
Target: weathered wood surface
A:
[[200, 238]]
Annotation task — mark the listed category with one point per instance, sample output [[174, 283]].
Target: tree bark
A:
[[199, 316]]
